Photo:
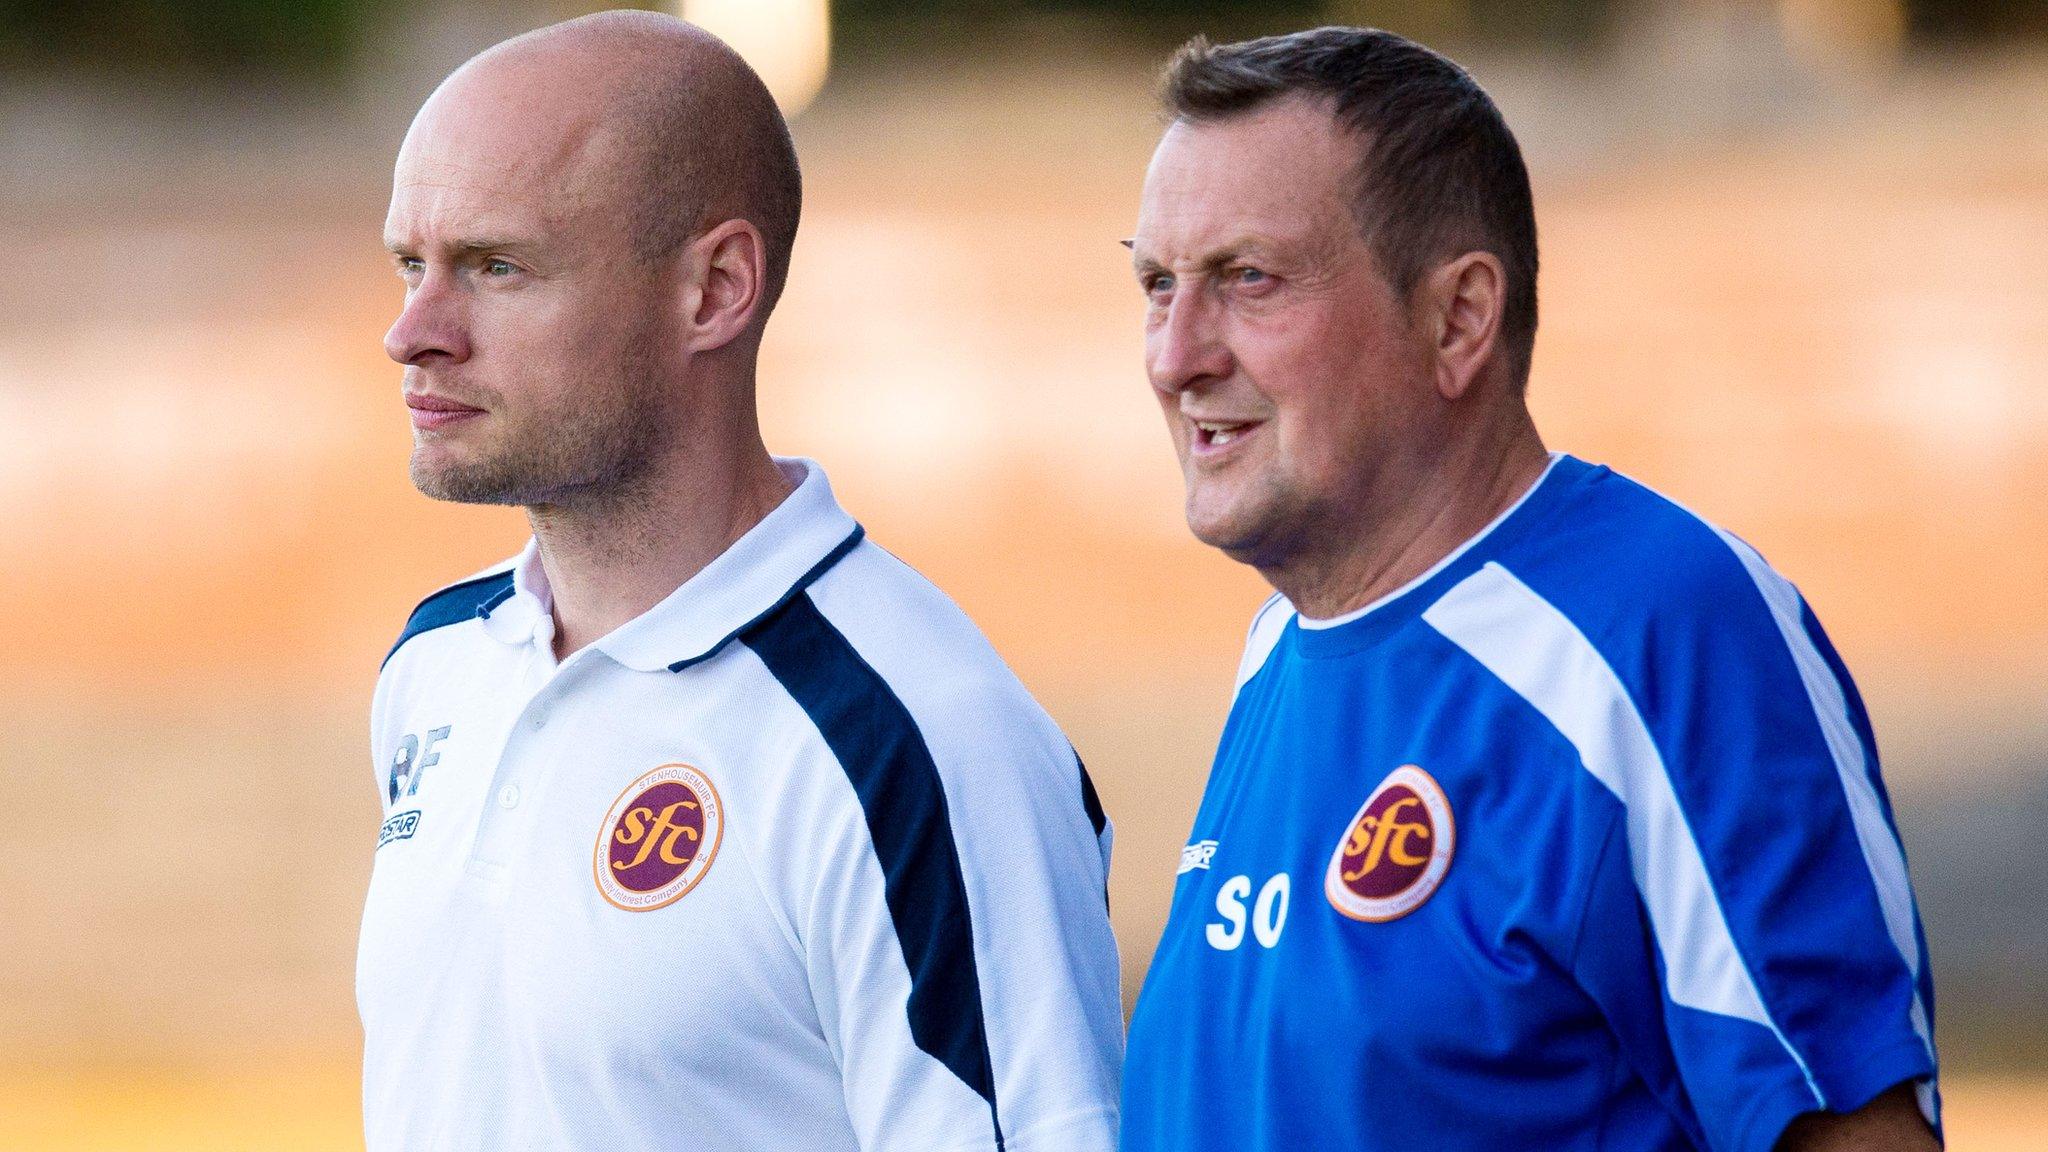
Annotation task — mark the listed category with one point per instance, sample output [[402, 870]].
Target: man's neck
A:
[[1467, 491], [610, 560]]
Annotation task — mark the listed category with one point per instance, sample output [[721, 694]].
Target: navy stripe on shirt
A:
[[452, 605], [1090, 802], [885, 757]]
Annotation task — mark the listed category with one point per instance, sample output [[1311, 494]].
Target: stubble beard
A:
[[597, 449]]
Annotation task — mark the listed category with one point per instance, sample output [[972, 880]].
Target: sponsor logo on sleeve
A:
[[399, 827], [1196, 855], [658, 839], [1395, 851]]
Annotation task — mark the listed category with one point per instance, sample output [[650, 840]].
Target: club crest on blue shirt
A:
[[1395, 851], [659, 838]]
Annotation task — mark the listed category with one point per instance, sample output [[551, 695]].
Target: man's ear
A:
[[728, 268], [1463, 300]]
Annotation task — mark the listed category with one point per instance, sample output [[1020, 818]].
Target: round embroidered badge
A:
[[659, 838], [1395, 851]]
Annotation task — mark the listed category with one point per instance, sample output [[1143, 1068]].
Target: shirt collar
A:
[[1470, 543], [525, 611], [777, 559]]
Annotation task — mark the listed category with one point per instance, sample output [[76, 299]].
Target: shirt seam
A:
[[1614, 824], [775, 911], [1618, 1072]]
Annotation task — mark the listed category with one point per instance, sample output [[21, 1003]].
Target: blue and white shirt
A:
[[790, 861], [1576, 842]]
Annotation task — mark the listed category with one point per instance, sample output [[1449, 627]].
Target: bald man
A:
[[707, 824]]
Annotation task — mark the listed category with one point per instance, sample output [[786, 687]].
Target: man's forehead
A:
[[1275, 175], [1292, 133], [495, 119], [498, 142], [452, 197], [498, 176]]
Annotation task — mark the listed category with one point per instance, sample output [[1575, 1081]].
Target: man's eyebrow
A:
[[1141, 262], [461, 247], [1211, 261], [1236, 249]]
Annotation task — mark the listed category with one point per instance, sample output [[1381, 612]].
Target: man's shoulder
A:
[[920, 643], [882, 598], [467, 599], [1620, 554]]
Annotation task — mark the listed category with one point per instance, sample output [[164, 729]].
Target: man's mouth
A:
[[430, 412], [1215, 435]]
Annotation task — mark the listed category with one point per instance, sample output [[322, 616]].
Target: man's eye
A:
[[1158, 285], [410, 266], [1251, 276], [498, 268]]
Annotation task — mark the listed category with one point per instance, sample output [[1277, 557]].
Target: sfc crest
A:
[[659, 838], [1395, 851]]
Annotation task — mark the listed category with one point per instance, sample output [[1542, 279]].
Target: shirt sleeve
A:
[[1758, 952], [1793, 969], [958, 942]]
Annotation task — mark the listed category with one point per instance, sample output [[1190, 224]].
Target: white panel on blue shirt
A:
[[792, 860]]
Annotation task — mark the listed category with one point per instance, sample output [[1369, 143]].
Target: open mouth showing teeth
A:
[[1215, 434]]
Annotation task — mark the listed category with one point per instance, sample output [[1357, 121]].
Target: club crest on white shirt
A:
[[658, 839]]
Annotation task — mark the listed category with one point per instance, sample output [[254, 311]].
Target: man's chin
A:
[[460, 483], [1222, 531]]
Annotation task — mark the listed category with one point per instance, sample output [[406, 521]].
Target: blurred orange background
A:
[[1796, 279]]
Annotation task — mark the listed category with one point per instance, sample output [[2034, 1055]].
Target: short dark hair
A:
[[1440, 175]]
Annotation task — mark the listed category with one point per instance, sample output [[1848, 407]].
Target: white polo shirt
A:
[[791, 861]]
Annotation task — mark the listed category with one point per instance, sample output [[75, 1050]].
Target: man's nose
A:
[[431, 325], [1185, 348]]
